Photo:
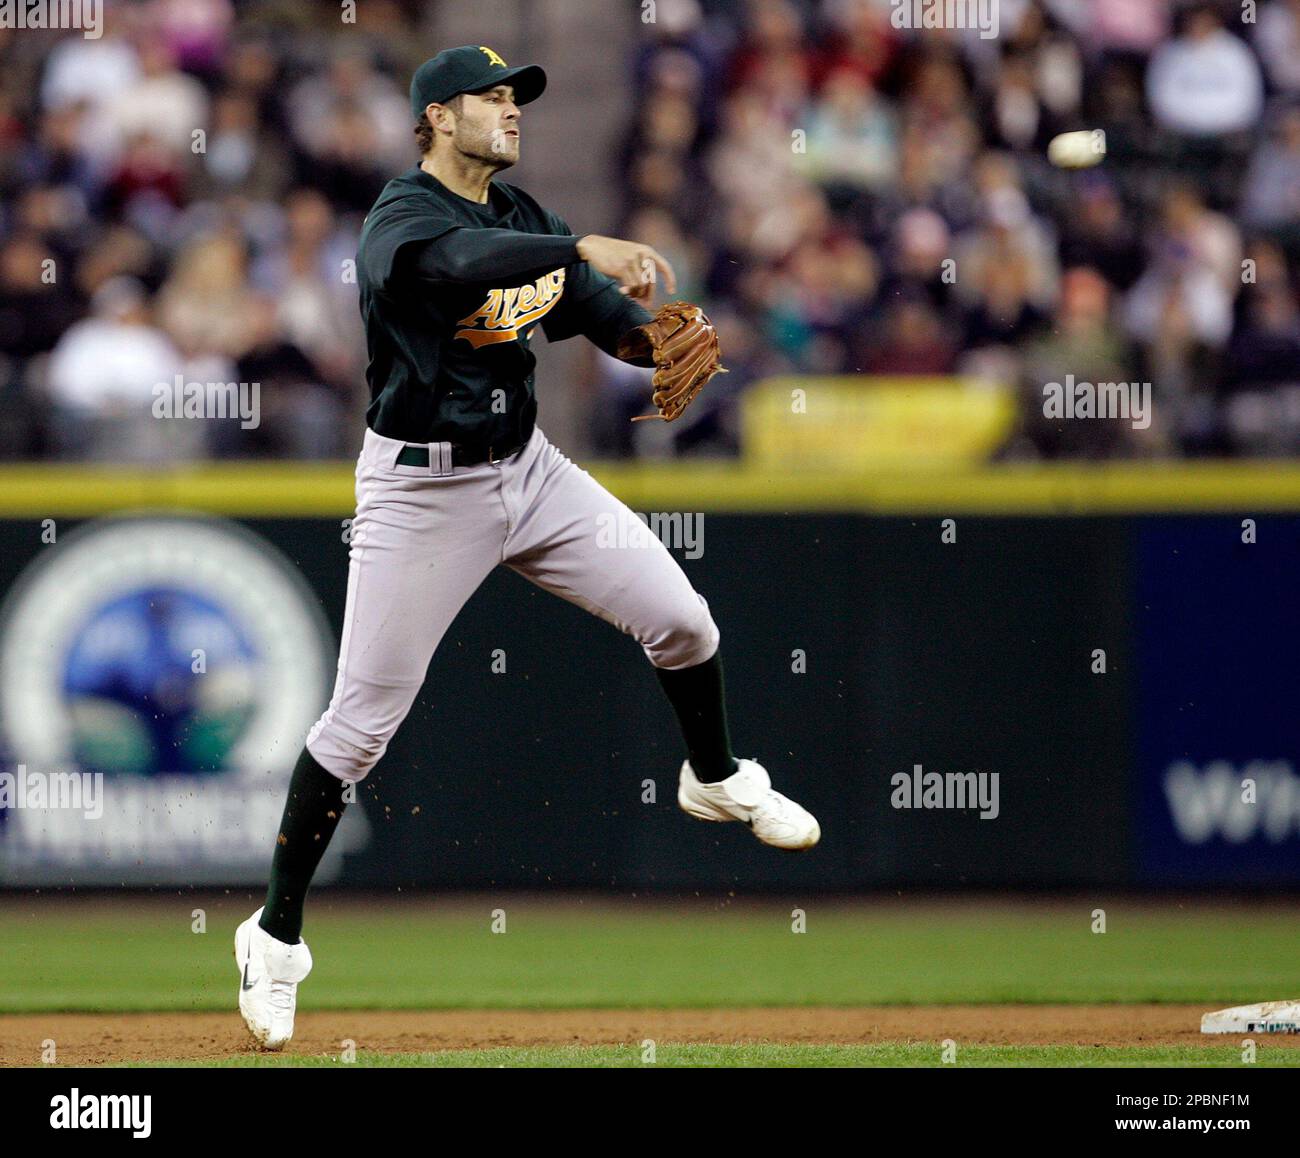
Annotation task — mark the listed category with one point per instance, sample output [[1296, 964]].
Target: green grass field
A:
[[441, 955], [768, 1056], [117, 956]]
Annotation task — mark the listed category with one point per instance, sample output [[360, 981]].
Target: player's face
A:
[[488, 127]]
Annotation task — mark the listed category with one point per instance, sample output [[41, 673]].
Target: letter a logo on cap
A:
[[492, 56]]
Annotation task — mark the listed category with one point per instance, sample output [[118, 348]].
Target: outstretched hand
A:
[[636, 267]]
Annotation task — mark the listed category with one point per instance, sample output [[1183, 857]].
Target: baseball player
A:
[[456, 271]]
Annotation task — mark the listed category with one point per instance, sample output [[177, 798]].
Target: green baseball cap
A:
[[471, 68]]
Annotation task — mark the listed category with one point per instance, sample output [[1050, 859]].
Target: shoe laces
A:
[[281, 996]]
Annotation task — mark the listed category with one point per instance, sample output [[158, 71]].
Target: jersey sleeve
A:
[[593, 307], [392, 227], [490, 255]]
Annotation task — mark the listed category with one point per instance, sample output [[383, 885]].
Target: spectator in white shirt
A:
[[90, 71], [164, 102], [1207, 82], [113, 359], [101, 381]]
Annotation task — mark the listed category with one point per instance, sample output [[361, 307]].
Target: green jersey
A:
[[451, 291]]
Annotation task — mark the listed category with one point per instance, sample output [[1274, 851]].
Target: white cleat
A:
[[747, 795], [269, 972]]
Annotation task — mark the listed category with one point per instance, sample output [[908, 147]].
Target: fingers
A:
[[670, 278], [642, 274], [635, 267]]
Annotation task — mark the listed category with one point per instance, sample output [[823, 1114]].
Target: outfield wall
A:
[[859, 644]]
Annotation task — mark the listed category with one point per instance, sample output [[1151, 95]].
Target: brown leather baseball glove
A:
[[684, 347]]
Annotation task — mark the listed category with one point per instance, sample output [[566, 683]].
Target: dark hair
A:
[[424, 130]]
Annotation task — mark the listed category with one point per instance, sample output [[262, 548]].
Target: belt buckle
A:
[[492, 461]]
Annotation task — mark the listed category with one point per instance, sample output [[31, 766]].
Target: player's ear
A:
[[439, 116]]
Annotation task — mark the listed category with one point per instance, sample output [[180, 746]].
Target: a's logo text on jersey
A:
[[507, 311], [492, 56]]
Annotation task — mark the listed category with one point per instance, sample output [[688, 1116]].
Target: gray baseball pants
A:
[[424, 538]]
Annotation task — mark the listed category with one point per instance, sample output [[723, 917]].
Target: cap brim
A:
[[528, 81]]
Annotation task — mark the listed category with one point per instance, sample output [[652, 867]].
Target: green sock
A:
[[311, 814], [697, 696]]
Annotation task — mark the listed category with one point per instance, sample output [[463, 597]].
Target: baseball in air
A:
[[1077, 150]]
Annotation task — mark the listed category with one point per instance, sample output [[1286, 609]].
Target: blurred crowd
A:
[[182, 196], [849, 196]]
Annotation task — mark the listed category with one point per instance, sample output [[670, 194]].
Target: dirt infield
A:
[[93, 1039]]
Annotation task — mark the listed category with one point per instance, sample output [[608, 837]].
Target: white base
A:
[[1266, 1017]]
